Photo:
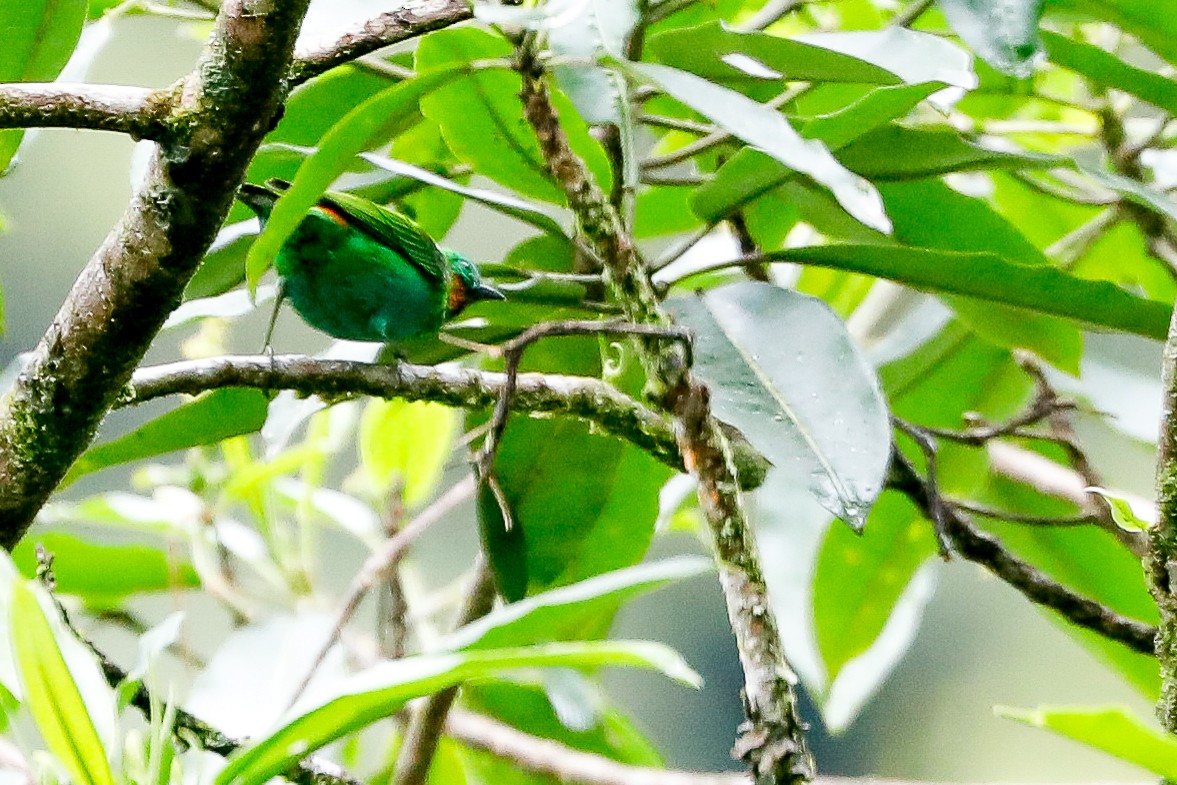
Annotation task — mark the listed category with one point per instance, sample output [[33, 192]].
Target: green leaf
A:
[[502, 203], [859, 579], [362, 127], [898, 153], [407, 444], [811, 404], [751, 174], [1153, 23], [930, 214], [716, 52], [102, 574], [528, 708], [375, 694], [206, 420], [767, 129], [52, 695], [912, 55], [568, 486], [39, 36], [1003, 32], [1112, 729], [481, 116], [1122, 512], [1105, 69], [988, 277], [873, 110], [564, 613]]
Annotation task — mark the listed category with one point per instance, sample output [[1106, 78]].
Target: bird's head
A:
[[466, 284]]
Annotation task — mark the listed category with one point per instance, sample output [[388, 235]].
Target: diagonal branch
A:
[[136, 111], [135, 279], [979, 547], [412, 19], [588, 399], [772, 740]]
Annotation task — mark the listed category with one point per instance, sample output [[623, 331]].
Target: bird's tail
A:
[[261, 198]]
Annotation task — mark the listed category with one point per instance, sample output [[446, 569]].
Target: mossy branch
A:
[[222, 110], [137, 111], [588, 399], [772, 740]]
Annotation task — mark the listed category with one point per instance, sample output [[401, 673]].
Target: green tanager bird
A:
[[362, 272]]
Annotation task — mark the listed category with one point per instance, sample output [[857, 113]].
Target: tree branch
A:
[[588, 399], [135, 279], [979, 547], [137, 111], [772, 741], [412, 19]]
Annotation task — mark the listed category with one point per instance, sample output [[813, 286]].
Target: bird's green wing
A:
[[392, 229]]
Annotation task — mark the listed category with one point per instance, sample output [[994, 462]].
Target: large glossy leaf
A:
[[103, 574], [1153, 22], [912, 55], [767, 129], [481, 116], [567, 612], [898, 153], [1106, 70], [205, 420], [405, 444], [860, 578], [375, 119], [784, 371], [39, 36], [930, 214], [382, 690], [1003, 32], [751, 174], [567, 487], [989, 277], [1112, 729], [51, 694], [725, 50]]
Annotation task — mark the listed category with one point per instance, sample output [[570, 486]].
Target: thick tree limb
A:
[[137, 111], [588, 399], [411, 19], [120, 300], [772, 741], [1161, 565]]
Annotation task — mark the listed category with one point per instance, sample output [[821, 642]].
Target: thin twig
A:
[[425, 727], [512, 353], [979, 547], [380, 564], [409, 20]]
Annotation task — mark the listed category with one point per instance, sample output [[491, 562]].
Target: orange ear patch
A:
[[457, 296], [334, 215]]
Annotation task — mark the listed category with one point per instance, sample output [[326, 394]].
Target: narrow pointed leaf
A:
[[767, 129], [783, 370], [1104, 68], [52, 695], [208, 419], [563, 613], [379, 692], [989, 277], [1113, 729]]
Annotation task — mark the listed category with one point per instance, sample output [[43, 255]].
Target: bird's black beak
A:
[[485, 292]]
